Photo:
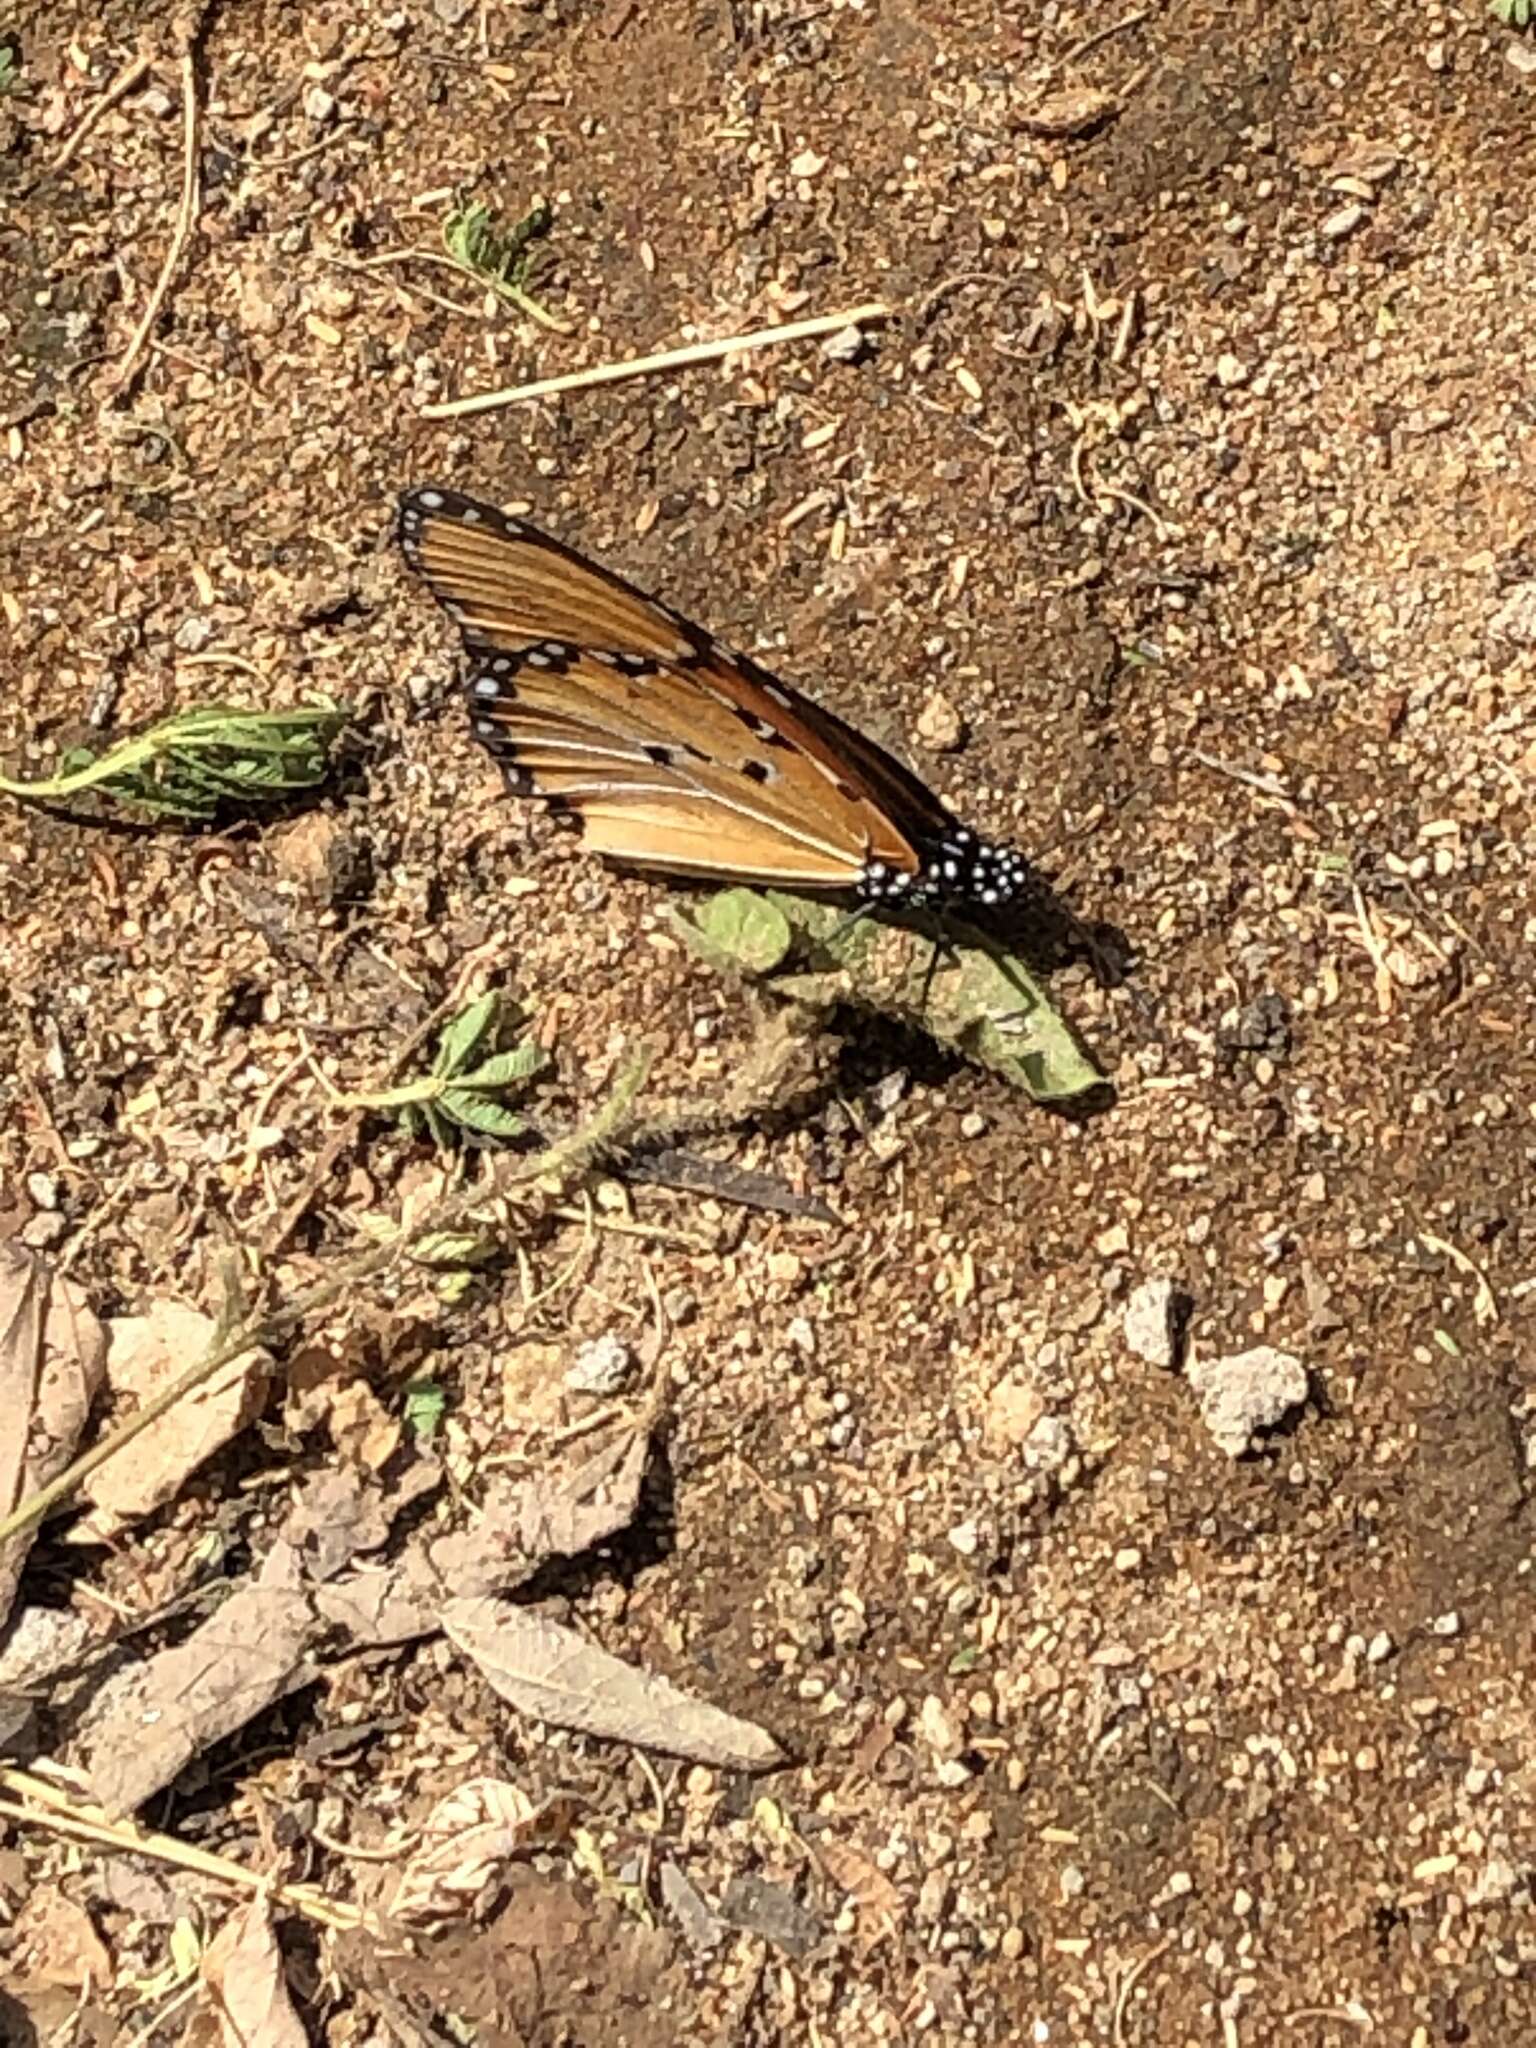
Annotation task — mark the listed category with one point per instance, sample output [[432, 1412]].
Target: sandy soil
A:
[[1196, 474]]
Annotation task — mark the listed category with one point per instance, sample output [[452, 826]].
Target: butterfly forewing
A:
[[674, 752]]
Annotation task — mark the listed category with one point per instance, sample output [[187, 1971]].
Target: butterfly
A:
[[673, 752]]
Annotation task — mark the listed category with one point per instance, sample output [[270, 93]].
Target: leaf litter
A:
[[144, 1354], [242, 1972], [268, 1638], [52, 1363], [467, 1839], [550, 1673]]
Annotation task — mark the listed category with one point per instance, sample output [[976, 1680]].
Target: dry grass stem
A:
[[132, 74], [186, 216], [667, 359]]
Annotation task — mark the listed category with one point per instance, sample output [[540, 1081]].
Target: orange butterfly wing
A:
[[674, 752]]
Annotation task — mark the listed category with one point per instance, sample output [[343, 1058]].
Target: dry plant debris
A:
[[53, 1355], [242, 1970], [551, 1674], [144, 1354]]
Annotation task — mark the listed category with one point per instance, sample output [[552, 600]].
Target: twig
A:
[[667, 359], [1102, 35], [623, 1226], [87, 1822], [1265, 784], [262, 1329], [301, 156], [1127, 1985], [186, 215], [398, 284], [121, 86]]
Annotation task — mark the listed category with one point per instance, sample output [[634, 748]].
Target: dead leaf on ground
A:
[[1075, 110], [880, 1904], [550, 1673], [144, 1353], [362, 1428], [52, 1356], [55, 1941], [149, 1722], [559, 1511], [468, 1837], [243, 1971], [337, 1514]]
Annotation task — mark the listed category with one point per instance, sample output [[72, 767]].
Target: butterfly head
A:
[[959, 871]]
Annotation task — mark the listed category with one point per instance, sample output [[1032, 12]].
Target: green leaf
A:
[[971, 994], [746, 928], [190, 766], [505, 1068], [455, 1248], [186, 1947], [425, 1406], [480, 1113], [504, 257], [463, 1033]]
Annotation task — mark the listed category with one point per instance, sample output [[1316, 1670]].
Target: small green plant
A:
[[463, 1092], [10, 64], [425, 1406], [1514, 13], [189, 767], [507, 258]]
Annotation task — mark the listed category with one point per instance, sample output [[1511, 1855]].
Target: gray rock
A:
[[701, 1927], [1250, 1391], [600, 1366]]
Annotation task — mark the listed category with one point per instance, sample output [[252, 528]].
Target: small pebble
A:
[[43, 1190], [194, 633], [681, 1305], [1151, 1322], [601, 1366], [940, 727], [1250, 1391], [846, 346]]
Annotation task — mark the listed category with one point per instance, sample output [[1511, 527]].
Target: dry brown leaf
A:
[[880, 1904], [1075, 110], [552, 1513], [52, 1353], [242, 1969], [467, 1838], [143, 1354], [143, 1727], [362, 1428], [56, 1942], [550, 1673]]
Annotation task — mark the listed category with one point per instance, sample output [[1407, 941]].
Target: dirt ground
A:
[[1195, 472]]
